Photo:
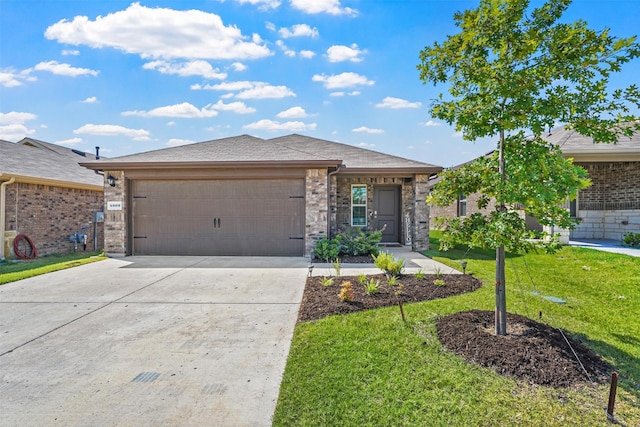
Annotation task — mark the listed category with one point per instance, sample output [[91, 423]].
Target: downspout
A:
[[3, 186], [329, 175]]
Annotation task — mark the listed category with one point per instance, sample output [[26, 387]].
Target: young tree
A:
[[514, 72]]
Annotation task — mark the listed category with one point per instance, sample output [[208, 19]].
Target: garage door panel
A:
[[221, 217]]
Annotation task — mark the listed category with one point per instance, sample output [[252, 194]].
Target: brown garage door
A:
[[222, 217]]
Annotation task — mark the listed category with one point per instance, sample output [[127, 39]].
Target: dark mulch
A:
[[321, 301], [531, 351]]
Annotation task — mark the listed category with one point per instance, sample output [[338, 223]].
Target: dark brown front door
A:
[[386, 211], [218, 217]]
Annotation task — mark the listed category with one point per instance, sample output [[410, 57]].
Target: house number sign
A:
[[114, 206]]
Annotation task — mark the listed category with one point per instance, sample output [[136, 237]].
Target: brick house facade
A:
[[47, 196], [325, 170]]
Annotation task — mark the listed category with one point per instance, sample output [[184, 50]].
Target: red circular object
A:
[[21, 252]]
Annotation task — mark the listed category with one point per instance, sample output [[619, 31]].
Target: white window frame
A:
[[354, 205], [462, 201]]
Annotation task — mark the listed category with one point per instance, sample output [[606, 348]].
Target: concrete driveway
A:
[[149, 341]]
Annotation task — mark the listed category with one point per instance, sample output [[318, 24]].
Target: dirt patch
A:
[[531, 350], [320, 301]]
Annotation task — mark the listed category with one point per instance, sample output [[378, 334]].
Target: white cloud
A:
[[337, 94], [90, 100], [70, 141], [339, 53], [332, 7], [238, 66], [64, 69], [70, 52], [432, 123], [394, 103], [171, 123], [113, 130], [184, 110], [299, 30], [249, 90], [14, 132], [15, 117], [290, 53], [344, 80], [270, 26], [236, 107], [191, 68], [365, 145], [276, 126], [307, 54], [160, 33], [293, 113], [12, 78], [367, 130], [262, 4], [175, 142]]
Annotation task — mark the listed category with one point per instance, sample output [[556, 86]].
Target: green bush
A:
[[352, 241], [326, 249], [632, 239], [389, 264]]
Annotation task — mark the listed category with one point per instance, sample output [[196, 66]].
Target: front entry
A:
[[386, 211]]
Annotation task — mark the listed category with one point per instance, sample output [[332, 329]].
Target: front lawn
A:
[[12, 271], [370, 369]]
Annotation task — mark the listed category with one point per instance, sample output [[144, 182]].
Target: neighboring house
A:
[[47, 195], [609, 208], [250, 196]]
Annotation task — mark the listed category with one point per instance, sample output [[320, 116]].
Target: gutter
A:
[[3, 186]]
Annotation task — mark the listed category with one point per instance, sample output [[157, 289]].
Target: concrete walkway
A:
[[606, 246], [149, 341], [414, 262]]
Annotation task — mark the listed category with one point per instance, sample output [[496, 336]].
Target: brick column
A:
[[420, 227], [115, 221], [316, 203]]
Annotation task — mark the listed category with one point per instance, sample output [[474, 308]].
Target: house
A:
[[608, 209], [249, 196], [46, 195]]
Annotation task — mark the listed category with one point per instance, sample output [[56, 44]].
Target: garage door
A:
[[222, 217]]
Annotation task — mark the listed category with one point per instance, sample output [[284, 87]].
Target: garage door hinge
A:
[[296, 238], [139, 237], [139, 197], [296, 197]]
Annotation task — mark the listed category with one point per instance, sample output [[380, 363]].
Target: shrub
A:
[[392, 281], [371, 287], [352, 241], [326, 249], [362, 279], [346, 292], [439, 282], [389, 264], [420, 275], [326, 281], [632, 239]]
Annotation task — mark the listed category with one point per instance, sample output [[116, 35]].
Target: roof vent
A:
[[79, 153]]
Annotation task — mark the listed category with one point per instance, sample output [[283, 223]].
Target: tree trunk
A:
[[501, 292]]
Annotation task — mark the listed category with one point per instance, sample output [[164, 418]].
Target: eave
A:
[[25, 179], [124, 165]]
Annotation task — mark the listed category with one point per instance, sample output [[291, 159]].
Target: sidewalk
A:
[[606, 246], [414, 262]]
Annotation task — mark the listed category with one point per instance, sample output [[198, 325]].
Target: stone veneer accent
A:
[[316, 213], [50, 214], [115, 222], [606, 224], [420, 229]]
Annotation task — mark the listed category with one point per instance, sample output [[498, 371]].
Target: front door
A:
[[386, 211]]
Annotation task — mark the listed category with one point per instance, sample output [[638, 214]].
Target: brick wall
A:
[[50, 214], [316, 213], [451, 211], [614, 186], [115, 221]]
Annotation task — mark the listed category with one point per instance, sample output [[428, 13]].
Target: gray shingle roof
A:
[[572, 143], [37, 159], [291, 148]]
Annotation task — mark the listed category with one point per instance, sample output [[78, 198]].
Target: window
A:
[[573, 208], [462, 205], [359, 205]]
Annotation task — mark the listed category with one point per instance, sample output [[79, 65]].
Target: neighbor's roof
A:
[[245, 150], [30, 160], [582, 148]]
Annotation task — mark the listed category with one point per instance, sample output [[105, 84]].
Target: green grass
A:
[[14, 271], [370, 369]]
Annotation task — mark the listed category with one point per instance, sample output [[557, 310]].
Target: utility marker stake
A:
[[612, 396]]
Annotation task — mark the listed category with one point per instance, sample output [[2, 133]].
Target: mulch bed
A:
[[531, 351]]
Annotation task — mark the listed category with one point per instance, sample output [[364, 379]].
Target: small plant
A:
[[389, 264], [420, 275], [371, 287], [439, 282], [346, 292], [326, 281], [438, 272], [337, 266], [392, 281], [362, 279], [632, 239]]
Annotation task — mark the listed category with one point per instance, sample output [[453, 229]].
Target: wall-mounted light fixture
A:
[[111, 180]]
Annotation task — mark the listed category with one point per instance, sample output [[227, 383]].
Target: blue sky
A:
[[138, 76]]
